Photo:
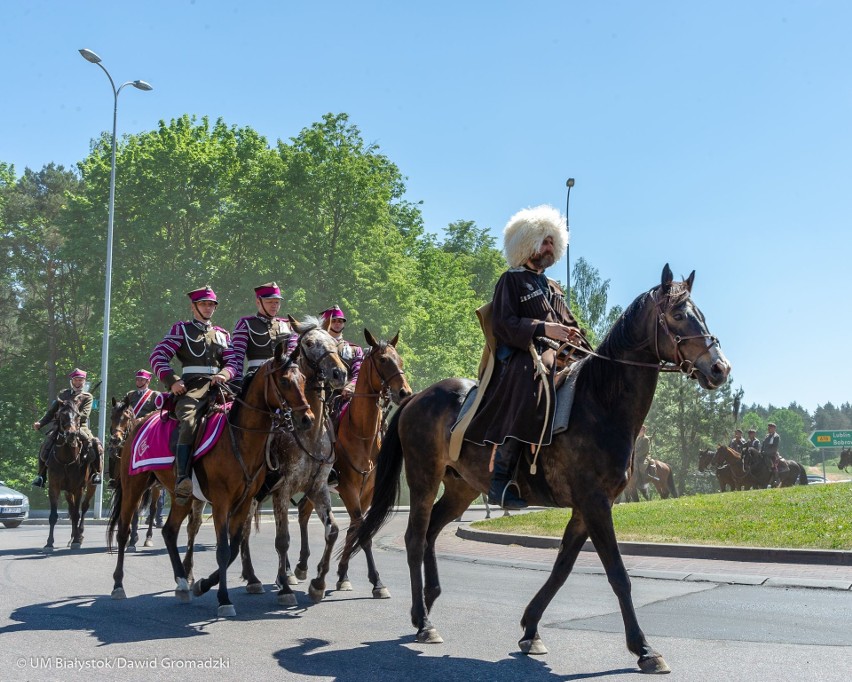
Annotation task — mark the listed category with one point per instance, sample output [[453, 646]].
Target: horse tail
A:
[[803, 476], [114, 514], [386, 493], [672, 486]]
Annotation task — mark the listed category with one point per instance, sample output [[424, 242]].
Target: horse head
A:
[[318, 358], [121, 419], [288, 387], [681, 336], [724, 455], [705, 458], [386, 370], [68, 429], [845, 459]]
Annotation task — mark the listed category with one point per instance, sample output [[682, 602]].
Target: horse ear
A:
[[370, 338], [294, 356], [278, 353], [394, 340], [114, 401], [689, 281], [295, 324], [667, 278]]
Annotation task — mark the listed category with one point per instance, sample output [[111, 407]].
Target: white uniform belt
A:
[[256, 363], [199, 369]]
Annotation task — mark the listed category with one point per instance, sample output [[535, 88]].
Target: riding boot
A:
[[97, 451], [501, 492], [183, 485], [40, 481], [112, 469]]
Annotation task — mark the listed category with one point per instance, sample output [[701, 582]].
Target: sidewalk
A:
[[461, 543]]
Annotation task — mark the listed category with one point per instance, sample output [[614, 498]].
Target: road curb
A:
[[823, 557]]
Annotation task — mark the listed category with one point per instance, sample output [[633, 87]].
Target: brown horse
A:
[[299, 463], [380, 382], [724, 473], [845, 459], [585, 467], [663, 482], [68, 471], [726, 458], [766, 476], [229, 475]]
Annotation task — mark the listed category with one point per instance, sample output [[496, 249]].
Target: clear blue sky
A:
[[713, 136]]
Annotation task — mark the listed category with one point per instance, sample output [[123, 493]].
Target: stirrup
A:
[[38, 482], [95, 478], [183, 490], [508, 500]]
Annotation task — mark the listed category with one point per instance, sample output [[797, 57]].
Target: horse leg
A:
[[573, 539], [322, 502], [348, 493], [152, 513], [134, 531], [74, 517], [125, 502], [88, 491], [306, 508], [171, 528], [456, 498], [280, 507], [597, 515], [253, 584], [422, 498], [196, 514]]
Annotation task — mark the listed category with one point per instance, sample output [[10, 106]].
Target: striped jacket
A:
[[254, 341], [200, 349]]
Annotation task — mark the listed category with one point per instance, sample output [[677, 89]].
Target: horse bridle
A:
[[282, 417], [68, 437], [679, 364]]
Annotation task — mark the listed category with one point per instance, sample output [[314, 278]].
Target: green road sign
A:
[[831, 439]]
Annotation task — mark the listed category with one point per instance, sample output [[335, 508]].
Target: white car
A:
[[14, 506]]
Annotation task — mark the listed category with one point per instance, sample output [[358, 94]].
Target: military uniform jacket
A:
[[770, 445], [254, 341], [141, 407], [199, 348], [523, 302], [352, 357], [85, 408]]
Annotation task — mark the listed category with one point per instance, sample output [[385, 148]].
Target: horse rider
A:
[[642, 455], [526, 307], [738, 443], [255, 336], [334, 321], [200, 348], [769, 447], [141, 401], [77, 380], [752, 444]]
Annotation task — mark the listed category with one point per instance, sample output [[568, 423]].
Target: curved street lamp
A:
[[90, 56]]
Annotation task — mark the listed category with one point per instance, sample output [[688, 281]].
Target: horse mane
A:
[[309, 323]]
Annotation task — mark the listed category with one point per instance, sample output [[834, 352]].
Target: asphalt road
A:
[[58, 622]]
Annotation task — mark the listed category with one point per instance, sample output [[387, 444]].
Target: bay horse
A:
[[845, 459], [68, 471], [724, 473], [584, 467], [726, 458], [380, 382], [638, 481], [765, 475], [298, 462], [229, 475]]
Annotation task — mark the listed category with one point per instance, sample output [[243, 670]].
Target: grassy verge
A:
[[814, 517]]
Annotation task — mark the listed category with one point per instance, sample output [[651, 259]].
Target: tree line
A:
[[324, 214]]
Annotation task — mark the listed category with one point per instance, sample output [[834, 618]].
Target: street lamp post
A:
[[569, 184], [90, 56]]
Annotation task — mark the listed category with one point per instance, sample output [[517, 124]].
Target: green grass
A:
[[813, 517]]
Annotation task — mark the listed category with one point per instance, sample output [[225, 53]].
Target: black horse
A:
[[845, 459], [585, 468], [765, 476]]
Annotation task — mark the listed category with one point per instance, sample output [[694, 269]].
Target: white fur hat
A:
[[527, 229]]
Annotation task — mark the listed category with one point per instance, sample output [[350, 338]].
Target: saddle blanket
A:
[[564, 401], [151, 448]]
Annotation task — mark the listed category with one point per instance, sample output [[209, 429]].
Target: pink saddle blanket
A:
[[150, 450]]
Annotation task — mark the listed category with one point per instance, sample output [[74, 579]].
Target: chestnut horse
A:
[[229, 475], [68, 471], [585, 467], [724, 473], [664, 482], [726, 458], [380, 382]]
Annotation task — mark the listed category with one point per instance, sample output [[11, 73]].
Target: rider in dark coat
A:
[[738, 443], [527, 306]]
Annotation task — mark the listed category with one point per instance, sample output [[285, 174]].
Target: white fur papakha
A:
[[526, 231]]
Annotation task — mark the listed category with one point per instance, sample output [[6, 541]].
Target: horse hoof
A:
[[196, 589], [292, 580], [381, 593], [654, 665], [255, 588], [149, 542], [344, 586], [118, 593], [429, 636], [47, 549], [316, 594], [182, 591], [130, 549], [287, 599], [76, 545], [532, 647], [227, 611], [301, 573]]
